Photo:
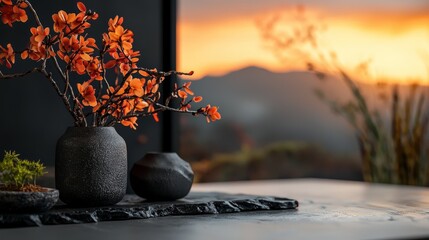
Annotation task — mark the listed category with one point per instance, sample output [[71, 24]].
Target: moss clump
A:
[[16, 172]]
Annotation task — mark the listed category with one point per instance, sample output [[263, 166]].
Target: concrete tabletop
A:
[[328, 209]]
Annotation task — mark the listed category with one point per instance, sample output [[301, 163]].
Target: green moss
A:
[[19, 172]]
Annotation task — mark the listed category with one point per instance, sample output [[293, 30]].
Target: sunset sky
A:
[[219, 36]]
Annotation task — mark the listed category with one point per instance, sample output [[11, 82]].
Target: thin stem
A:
[[144, 114], [133, 70], [48, 75], [57, 66], [152, 72], [96, 116], [67, 83], [94, 120], [36, 16], [17, 75], [175, 109], [103, 69]]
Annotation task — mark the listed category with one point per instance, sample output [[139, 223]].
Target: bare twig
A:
[[160, 108], [17, 75], [48, 75], [36, 16], [58, 67]]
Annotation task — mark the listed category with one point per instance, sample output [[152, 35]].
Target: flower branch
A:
[[105, 101]]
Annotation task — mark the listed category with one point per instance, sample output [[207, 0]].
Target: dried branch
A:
[[58, 67], [76, 104], [48, 75], [18, 75], [36, 16]]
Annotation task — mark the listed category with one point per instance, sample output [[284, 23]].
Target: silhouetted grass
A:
[[392, 151]]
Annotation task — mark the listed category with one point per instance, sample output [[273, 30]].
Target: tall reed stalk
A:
[[393, 150]]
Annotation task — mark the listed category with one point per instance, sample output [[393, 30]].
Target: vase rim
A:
[[90, 129]]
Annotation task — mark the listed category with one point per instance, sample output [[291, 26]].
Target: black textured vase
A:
[[91, 166], [161, 176]]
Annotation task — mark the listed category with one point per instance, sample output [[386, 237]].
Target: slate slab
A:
[[134, 207]]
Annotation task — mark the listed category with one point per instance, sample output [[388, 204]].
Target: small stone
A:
[[161, 176]]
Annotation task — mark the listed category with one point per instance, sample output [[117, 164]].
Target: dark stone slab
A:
[[134, 207]]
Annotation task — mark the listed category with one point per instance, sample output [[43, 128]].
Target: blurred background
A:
[[252, 59]]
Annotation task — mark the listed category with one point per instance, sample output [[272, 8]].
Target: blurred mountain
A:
[[260, 107]]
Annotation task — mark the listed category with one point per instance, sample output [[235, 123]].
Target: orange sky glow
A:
[[396, 43]]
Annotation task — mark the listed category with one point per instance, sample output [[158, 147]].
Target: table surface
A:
[[329, 209]]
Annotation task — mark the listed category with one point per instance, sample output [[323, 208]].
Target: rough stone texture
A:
[[133, 207], [91, 166], [27, 202], [161, 176]]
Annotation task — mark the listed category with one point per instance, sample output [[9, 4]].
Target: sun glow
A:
[[396, 45]]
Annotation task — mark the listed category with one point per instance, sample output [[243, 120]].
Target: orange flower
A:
[[197, 99], [37, 49], [7, 55], [117, 35], [13, 13], [7, 2], [113, 22], [38, 35], [187, 86], [124, 68], [110, 64], [87, 91], [118, 42], [151, 109], [211, 113], [151, 86], [72, 44], [94, 69], [87, 13], [72, 22], [124, 60], [155, 117], [79, 52], [127, 107], [69, 44], [185, 107], [140, 104], [86, 47], [121, 90], [81, 7], [104, 99], [62, 20], [182, 94], [136, 87], [130, 122]]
